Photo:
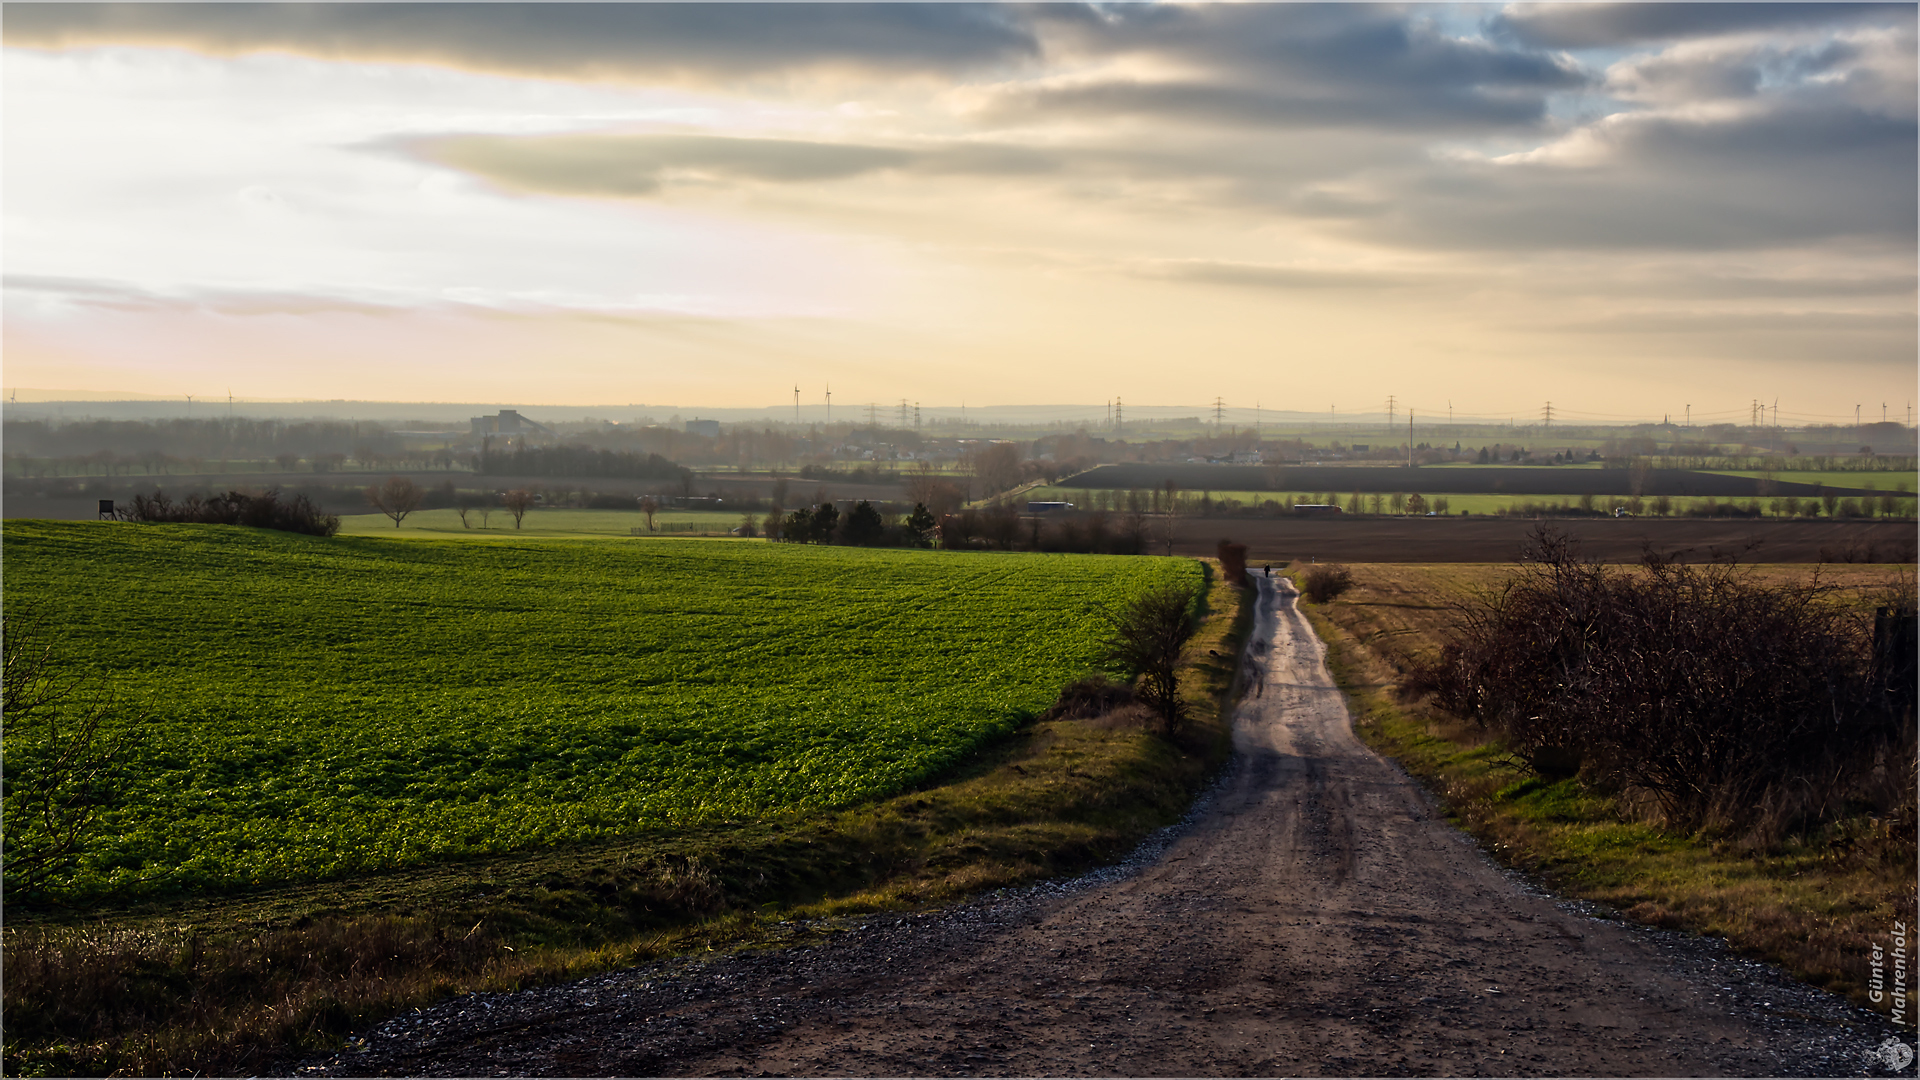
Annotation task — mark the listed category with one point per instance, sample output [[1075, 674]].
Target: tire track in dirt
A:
[[1314, 917]]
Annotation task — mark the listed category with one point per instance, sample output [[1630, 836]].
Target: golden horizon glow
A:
[[1618, 209]]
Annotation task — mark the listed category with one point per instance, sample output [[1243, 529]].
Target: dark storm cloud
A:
[[1585, 26], [560, 40], [640, 165]]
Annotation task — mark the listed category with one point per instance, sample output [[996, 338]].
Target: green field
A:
[[322, 708], [1881, 480], [1084, 499]]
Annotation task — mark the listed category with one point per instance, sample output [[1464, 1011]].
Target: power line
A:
[[1546, 415]]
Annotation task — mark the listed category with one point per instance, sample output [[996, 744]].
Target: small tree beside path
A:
[[1149, 637]]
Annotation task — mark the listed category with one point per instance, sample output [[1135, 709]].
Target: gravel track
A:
[[1313, 916]]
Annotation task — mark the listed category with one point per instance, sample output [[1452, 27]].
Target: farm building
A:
[[1047, 507], [509, 422]]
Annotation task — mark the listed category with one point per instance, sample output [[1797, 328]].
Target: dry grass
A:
[[1402, 612], [248, 984], [1813, 903]]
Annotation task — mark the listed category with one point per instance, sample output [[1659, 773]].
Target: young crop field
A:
[[1880, 480], [1456, 503], [1515, 480], [305, 709]]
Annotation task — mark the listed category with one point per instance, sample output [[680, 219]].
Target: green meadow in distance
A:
[[321, 708]]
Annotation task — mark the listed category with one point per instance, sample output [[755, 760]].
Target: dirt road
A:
[[1312, 918]]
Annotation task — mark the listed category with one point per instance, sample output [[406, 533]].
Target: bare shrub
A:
[[1721, 697], [1233, 563], [1135, 717], [1324, 581], [267, 510]]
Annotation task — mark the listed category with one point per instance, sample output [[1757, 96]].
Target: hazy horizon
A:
[[1623, 210]]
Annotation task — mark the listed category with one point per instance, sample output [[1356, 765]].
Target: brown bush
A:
[[1086, 698], [267, 510], [1324, 581], [1712, 693], [1233, 563]]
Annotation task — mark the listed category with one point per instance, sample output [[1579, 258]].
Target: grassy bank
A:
[[1814, 901], [246, 983]]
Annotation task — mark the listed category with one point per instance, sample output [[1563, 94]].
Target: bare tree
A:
[[518, 502], [1149, 638], [996, 465], [396, 498], [649, 506], [1637, 476]]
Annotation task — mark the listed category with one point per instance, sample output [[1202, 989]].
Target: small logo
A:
[[1893, 1053]]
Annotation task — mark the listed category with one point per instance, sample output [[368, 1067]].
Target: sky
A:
[[1625, 211]]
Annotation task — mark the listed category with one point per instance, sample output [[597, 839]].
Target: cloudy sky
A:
[[1623, 210]]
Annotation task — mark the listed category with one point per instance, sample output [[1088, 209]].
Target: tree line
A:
[[992, 528]]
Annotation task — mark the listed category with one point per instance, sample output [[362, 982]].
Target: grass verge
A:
[[1815, 903], [249, 983]]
